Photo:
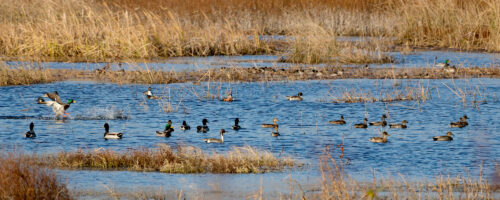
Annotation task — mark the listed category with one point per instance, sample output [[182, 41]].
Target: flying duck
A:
[[56, 104], [236, 126], [382, 139], [168, 130], [295, 98], [363, 125], [31, 133], [446, 137], [380, 123], [273, 125], [184, 126], [215, 140], [203, 128], [111, 135], [402, 125], [339, 122]]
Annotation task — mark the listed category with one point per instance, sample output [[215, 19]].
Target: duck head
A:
[[184, 123], [222, 131], [204, 121], [385, 134], [70, 101], [384, 117], [449, 134], [32, 125], [299, 94], [236, 121], [169, 122], [342, 117], [106, 127], [275, 120], [404, 122]]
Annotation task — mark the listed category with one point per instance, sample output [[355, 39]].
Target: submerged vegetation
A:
[[186, 159], [94, 30]]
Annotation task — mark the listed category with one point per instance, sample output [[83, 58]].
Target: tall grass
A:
[[183, 159], [108, 30], [19, 180]]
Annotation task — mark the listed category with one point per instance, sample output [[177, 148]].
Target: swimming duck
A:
[[339, 122], [236, 126], [446, 137], [461, 123], [215, 140], [168, 130], [379, 123], [229, 98], [31, 133], [363, 125], [382, 139], [56, 104], [295, 98], [445, 64], [111, 135], [273, 125], [450, 69], [184, 126], [402, 125], [149, 94], [203, 128]]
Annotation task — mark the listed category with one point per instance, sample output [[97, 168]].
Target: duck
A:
[[339, 122], [402, 125], [111, 135], [31, 133], [461, 123], [443, 65], [363, 125], [446, 137], [184, 126], [275, 133], [380, 123], [215, 140], [168, 130], [450, 69], [236, 126], [295, 98], [203, 128], [229, 98], [382, 139], [273, 125], [56, 104], [149, 94]]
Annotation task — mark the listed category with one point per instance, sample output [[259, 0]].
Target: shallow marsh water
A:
[[303, 125]]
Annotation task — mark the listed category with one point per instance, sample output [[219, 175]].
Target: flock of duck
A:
[[59, 108]]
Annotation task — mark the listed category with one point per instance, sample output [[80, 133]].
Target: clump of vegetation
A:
[[409, 93], [19, 180], [183, 159]]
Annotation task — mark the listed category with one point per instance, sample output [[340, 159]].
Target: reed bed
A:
[[417, 93], [96, 30], [30, 75], [336, 184], [19, 180], [183, 159]]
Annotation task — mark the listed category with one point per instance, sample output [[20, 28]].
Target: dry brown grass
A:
[[185, 159], [97, 30], [336, 184], [19, 180]]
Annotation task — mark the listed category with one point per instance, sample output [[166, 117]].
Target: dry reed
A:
[[185, 159], [19, 180], [109, 30]]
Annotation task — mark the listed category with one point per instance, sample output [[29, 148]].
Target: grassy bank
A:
[[18, 180], [32, 75], [114, 30], [185, 159]]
